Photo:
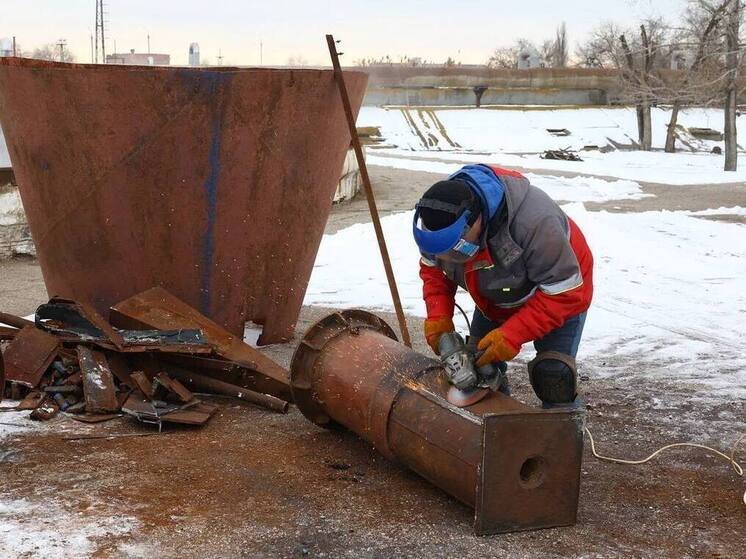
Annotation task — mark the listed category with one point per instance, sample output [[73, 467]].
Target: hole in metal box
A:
[[532, 472]]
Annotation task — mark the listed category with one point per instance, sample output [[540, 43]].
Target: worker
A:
[[524, 262]]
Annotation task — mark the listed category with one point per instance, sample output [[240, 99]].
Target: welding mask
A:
[[447, 243]]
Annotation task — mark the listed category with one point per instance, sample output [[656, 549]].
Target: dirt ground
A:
[[253, 483]]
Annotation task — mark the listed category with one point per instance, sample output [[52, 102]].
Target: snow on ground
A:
[[11, 208], [45, 527], [38, 525], [4, 156], [516, 138], [669, 288], [658, 167]]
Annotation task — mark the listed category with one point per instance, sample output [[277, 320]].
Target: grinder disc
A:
[[464, 398]]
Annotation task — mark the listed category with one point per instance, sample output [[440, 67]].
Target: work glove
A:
[[435, 328], [496, 348]]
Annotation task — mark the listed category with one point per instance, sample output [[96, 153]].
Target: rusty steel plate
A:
[[29, 355], [215, 184]]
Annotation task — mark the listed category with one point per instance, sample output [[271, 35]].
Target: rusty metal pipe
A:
[[198, 382], [14, 321], [517, 466]]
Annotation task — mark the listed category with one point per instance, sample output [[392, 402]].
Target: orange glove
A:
[[496, 348], [434, 328]]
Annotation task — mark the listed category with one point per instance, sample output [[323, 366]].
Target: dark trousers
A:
[[564, 339]]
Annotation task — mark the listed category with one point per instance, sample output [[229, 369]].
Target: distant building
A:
[[529, 58], [139, 58], [6, 46], [194, 54]]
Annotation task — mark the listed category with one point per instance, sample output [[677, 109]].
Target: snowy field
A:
[[516, 138], [670, 286], [4, 156]]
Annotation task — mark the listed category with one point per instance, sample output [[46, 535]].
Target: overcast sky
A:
[[467, 30]]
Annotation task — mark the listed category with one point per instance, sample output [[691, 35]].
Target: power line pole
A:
[[100, 33], [148, 43], [261, 48], [14, 46], [61, 43]]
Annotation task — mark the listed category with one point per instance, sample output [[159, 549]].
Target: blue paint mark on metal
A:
[[213, 79]]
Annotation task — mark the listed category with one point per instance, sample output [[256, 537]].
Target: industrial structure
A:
[[194, 54], [133, 58]]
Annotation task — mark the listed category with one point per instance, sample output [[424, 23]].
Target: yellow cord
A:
[[731, 459]]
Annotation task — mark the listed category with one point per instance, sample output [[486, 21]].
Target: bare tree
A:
[[601, 50], [732, 43], [297, 61], [503, 57], [52, 51], [702, 23], [560, 48]]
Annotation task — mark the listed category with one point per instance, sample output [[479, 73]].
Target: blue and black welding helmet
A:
[[443, 216]]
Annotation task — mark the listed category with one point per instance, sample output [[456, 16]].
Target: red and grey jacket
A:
[[534, 272]]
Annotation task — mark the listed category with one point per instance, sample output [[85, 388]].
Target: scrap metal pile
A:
[[146, 361]]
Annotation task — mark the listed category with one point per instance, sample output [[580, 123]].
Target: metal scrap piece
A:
[[32, 400], [45, 412], [29, 356], [98, 381], [157, 308], [141, 381], [76, 322], [95, 418], [192, 413], [8, 333], [171, 386]]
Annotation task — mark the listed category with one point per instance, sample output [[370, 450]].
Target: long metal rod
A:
[[368, 191], [14, 321]]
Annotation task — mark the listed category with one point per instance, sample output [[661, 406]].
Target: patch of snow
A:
[[32, 527], [736, 210], [4, 155], [517, 138], [567, 189], [11, 208], [679, 169], [525, 129]]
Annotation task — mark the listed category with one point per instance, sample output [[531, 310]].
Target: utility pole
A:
[[61, 43], [14, 46], [93, 60], [148, 43], [100, 41], [261, 47]]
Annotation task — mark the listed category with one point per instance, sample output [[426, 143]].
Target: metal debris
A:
[[45, 412], [214, 386], [156, 308], [163, 384], [29, 356], [79, 363], [98, 382], [561, 154]]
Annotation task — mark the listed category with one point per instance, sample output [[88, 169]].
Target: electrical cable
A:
[[731, 459], [468, 324]]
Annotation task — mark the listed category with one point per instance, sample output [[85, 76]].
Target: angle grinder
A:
[[469, 383]]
